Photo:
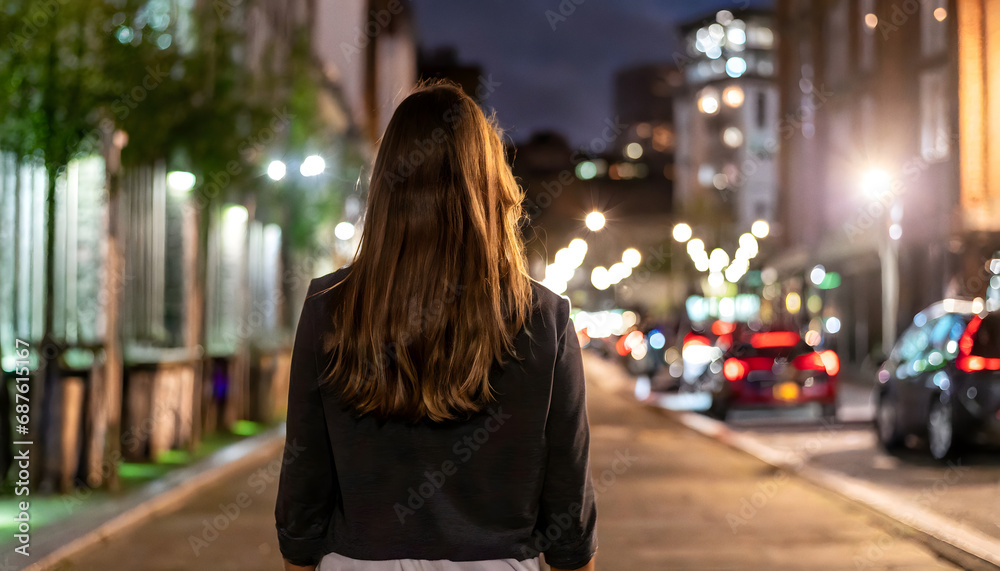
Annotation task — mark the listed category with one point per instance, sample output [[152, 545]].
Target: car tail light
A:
[[773, 339], [818, 361], [967, 362], [695, 339], [734, 369], [831, 361]]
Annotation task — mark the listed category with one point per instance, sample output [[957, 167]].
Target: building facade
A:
[[726, 117], [883, 170]]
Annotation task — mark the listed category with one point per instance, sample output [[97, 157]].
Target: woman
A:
[[436, 410]]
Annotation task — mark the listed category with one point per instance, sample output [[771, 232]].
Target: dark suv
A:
[[942, 380]]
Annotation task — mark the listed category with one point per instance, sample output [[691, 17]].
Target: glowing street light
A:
[[276, 170], [595, 221], [875, 182], [631, 257], [313, 165], [682, 232], [599, 278], [760, 229], [180, 181], [718, 260], [344, 231]]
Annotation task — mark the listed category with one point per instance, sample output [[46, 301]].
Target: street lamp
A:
[[875, 183], [313, 165], [344, 231], [276, 170], [760, 229], [595, 221], [180, 181], [682, 232]]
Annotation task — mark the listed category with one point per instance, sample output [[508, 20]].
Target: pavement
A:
[[670, 496]]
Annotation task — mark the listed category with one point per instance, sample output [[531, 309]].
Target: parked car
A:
[[767, 369], [680, 367], [942, 380]]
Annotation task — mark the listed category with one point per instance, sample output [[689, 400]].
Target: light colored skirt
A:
[[337, 562]]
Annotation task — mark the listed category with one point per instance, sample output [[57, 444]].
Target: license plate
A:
[[786, 391]]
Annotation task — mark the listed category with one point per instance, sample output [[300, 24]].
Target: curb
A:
[[158, 497], [951, 540]]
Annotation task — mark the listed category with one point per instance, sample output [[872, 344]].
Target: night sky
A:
[[559, 79]]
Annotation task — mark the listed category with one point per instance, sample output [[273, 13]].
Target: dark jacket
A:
[[511, 482]]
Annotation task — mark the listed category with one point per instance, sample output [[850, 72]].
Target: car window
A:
[[913, 341]]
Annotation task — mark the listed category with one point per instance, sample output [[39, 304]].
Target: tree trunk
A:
[[114, 280], [47, 437]]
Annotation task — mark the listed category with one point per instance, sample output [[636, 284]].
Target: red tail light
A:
[[723, 327], [695, 339], [831, 361], [967, 362], [734, 369], [822, 361], [973, 363], [772, 339]]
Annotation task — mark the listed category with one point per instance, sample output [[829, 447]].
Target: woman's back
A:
[[437, 405], [504, 484]]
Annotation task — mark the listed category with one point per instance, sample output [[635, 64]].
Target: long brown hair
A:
[[438, 288]]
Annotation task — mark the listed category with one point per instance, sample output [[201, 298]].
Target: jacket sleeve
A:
[[568, 511], [307, 487]]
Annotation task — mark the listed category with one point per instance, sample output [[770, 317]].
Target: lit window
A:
[[934, 124], [735, 66], [720, 182], [705, 175], [759, 37], [732, 137], [733, 96], [708, 101], [633, 151]]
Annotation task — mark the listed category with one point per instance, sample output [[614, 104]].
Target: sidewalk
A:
[[79, 521]]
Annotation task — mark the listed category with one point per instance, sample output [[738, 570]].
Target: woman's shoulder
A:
[[548, 302], [329, 282]]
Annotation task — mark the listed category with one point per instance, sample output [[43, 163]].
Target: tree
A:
[[140, 81]]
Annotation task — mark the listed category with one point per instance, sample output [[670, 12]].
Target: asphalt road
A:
[[965, 490], [678, 500]]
